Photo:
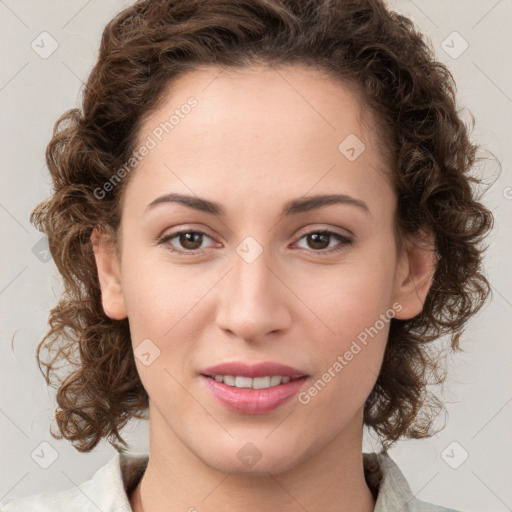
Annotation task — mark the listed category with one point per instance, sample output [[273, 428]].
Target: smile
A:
[[241, 394], [240, 381]]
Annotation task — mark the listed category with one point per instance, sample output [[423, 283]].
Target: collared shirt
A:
[[110, 486]]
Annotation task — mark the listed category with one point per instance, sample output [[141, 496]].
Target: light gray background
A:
[[35, 91]]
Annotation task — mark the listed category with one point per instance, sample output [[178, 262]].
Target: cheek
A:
[[350, 298], [348, 358], [157, 294], [160, 308], [355, 308], [337, 302]]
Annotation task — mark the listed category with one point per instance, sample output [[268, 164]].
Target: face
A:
[[266, 275]]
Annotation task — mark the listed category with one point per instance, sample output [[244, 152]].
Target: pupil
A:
[[188, 238], [315, 238]]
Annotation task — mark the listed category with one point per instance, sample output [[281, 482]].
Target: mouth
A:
[[242, 382], [252, 389]]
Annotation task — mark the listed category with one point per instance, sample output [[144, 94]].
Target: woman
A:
[[263, 217]]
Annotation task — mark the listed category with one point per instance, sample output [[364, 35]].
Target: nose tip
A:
[[252, 303]]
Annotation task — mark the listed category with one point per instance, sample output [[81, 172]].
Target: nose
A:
[[254, 300]]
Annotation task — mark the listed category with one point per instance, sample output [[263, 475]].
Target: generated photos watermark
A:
[[343, 360], [151, 142]]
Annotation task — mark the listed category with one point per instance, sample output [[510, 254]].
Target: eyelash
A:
[[343, 239]]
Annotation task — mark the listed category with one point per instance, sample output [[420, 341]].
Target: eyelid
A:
[[321, 228], [163, 239], [344, 239]]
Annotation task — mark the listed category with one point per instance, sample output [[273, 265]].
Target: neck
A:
[[330, 480]]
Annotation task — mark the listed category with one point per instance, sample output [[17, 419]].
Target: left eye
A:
[[320, 238], [191, 241]]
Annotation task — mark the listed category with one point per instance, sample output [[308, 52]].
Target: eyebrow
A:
[[292, 207]]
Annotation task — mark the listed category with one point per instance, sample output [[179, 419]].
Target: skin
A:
[[258, 138]]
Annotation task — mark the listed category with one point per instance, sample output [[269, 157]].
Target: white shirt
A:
[[108, 489]]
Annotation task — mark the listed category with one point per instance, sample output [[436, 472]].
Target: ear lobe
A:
[[109, 274], [414, 276]]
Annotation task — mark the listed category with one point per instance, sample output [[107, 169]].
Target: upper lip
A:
[[253, 370]]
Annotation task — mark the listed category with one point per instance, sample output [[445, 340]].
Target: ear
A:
[[415, 272], [109, 274]]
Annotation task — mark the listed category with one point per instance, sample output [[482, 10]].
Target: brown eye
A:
[[319, 241], [188, 241]]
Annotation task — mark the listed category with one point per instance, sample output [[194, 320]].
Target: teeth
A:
[[264, 382], [230, 380], [246, 382], [274, 381], [243, 382]]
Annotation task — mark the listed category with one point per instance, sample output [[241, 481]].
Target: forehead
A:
[[259, 97], [253, 129]]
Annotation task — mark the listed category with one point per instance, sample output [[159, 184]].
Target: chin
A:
[[253, 458]]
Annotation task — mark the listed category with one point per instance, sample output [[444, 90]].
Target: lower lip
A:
[[252, 401]]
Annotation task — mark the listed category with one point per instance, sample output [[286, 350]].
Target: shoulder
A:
[[393, 491], [105, 491]]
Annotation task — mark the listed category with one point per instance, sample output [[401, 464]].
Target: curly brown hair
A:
[[423, 140]]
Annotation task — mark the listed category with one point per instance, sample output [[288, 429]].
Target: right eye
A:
[[187, 238]]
